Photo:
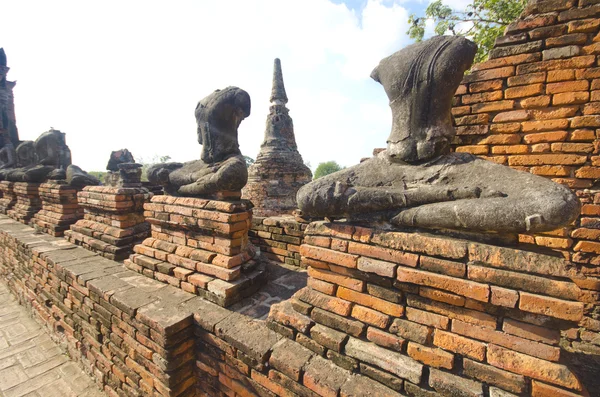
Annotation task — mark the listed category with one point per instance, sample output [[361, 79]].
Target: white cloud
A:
[[116, 74]]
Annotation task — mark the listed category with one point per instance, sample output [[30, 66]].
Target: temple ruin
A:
[[278, 171]]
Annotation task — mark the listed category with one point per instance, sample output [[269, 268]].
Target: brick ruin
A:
[[383, 312], [278, 171], [534, 107]]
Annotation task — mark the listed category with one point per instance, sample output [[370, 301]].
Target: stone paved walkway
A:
[[31, 364]]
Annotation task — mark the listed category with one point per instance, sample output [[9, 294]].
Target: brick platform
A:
[[279, 238], [113, 221], [60, 208], [406, 308], [200, 246], [28, 202], [9, 199]]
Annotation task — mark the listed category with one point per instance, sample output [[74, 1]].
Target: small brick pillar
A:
[[28, 202], [423, 313], [9, 199], [60, 208], [113, 220], [200, 246]]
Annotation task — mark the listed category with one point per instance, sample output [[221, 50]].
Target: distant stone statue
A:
[[36, 161], [119, 157], [79, 178], [416, 181], [221, 167]]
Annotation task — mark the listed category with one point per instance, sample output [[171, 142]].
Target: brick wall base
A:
[[113, 222], [59, 208], [200, 246], [279, 238], [9, 199], [423, 313], [141, 337]]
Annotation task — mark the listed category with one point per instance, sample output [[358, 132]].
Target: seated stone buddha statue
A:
[[221, 167], [417, 181]]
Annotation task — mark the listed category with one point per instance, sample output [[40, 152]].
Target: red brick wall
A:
[[535, 106]]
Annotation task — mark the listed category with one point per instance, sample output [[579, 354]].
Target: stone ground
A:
[[31, 364], [283, 281]]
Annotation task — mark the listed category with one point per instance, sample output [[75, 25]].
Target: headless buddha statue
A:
[[416, 181], [221, 167]]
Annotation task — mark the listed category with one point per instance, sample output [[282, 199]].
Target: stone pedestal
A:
[[113, 220], [9, 199], [60, 208], [424, 313], [200, 246], [28, 201]]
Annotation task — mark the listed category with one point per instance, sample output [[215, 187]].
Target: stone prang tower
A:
[[8, 123], [279, 171]]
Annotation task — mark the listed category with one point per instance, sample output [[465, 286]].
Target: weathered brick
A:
[[496, 106], [531, 332], [348, 282], [535, 102], [372, 302], [354, 328], [459, 344], [503, 297], [330, 256], [524, 282], [494, 376], [290, 358], [328, 337], [553, 136], [490, 74], [525, 79], [532, 367], [370, 316], [539, 389], [396, 363], [439, 246], [499, 338], [423, 317], [359, 386], [442, 296], [386, 254], [324, 378], [430, 356], [552, 307], [514, 115], [451, 385], [523, 91], [458, 286], [382, 268], [570, 98], [542, 159], [545, 125], [325, 302], [411, 331], [384, 339]]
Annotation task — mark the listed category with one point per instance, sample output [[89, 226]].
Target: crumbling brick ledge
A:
[[139, 337]]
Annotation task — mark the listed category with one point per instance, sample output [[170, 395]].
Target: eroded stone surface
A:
[[415, 181], [221, 167]]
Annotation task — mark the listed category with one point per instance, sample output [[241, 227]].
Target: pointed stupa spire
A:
[[3, 60], [278, 95]]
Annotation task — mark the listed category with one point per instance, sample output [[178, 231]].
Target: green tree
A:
[[489, 18], [326, 168]]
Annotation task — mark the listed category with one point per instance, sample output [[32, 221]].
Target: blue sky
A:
[[116, 74]]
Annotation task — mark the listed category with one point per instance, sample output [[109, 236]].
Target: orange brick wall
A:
[[535, 106]]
